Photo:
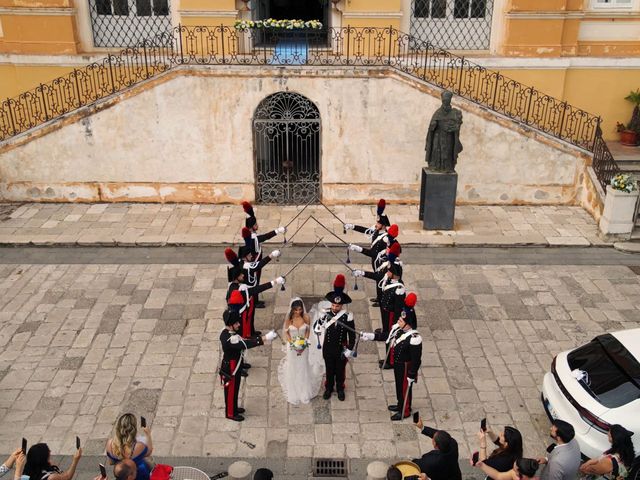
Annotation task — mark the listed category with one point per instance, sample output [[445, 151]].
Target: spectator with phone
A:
[[126, 444], [523, 469], [563, 461], [39, 467], [509, 448], [18, 459], [441, 463]]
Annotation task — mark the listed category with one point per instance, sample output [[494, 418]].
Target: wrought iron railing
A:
[[347, 46]]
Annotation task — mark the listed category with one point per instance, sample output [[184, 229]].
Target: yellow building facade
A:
[[585, 52]]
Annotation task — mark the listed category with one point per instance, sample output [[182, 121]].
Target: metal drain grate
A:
[[330, 467]]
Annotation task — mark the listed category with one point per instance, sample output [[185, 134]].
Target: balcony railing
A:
[[347, 46]]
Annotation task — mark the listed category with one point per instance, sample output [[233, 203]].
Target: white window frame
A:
[[614, 5]]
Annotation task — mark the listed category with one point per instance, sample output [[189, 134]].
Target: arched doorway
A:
[[286, 148]]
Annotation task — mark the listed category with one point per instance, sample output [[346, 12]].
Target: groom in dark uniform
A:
[[339, 338]]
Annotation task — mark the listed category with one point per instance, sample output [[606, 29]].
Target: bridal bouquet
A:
[[299, 344]]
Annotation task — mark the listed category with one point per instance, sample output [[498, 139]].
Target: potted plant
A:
[[629, 133], [619, 206]]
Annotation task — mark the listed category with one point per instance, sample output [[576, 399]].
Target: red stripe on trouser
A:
[[344, 374], [245, 329], [230, 390], [405, 386], [252, 315]]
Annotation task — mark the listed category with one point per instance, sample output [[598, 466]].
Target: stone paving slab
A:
[[198, 225], [80, 344]]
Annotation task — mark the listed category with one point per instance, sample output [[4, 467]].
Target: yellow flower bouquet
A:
[[299, 344]]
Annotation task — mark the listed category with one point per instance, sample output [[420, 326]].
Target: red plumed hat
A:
[[248, 209], [394, 249], [337, 295], [231, 256], [236, 298], [250, 221], [393, 230], [410, 300], [382, 204], [339, 283]]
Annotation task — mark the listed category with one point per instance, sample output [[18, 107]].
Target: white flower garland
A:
[[281, 24]]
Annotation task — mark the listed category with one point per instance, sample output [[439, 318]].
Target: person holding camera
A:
[[441, 463], [404, 345]]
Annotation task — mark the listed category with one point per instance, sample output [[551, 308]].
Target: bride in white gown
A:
[[300, 375]]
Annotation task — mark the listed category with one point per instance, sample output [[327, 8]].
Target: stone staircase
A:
[[628, 159]]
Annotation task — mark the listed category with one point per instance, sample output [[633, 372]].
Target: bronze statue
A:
[[443, 138]]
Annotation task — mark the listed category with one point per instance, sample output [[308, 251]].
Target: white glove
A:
[[355, 248], [234, 339], [275, 254], [281, 230], [410, 381], [367, 337], [357, 273], [349, 226], [270, 335], [279, 280], [347, 353]]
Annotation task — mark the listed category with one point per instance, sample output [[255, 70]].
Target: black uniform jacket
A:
[[336, 337]]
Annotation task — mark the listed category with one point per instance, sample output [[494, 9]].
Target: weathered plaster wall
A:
[[187, 137]]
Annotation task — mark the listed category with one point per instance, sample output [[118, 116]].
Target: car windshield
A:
[[613, 374]]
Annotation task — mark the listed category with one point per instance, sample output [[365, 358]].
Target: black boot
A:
[[341, 395], [236, 418], [398, 416], [393, 408], [327, 394]]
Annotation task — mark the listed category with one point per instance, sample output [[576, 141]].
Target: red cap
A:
[[410, 300], [246, 233], [236, 298], [395, 249], [230, 255], [248, 209], [339, 282], [393, 230]]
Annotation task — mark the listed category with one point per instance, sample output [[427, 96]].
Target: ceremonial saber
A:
[[355, 287], [337, 217], [297, 215], [323, 226], [406, 395], [296, 232], [303, 257]]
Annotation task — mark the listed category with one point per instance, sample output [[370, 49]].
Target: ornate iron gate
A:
[[286, 145], [127, 23], [451, 24]]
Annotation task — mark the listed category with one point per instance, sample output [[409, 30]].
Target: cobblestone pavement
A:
[[177, 224], [80, 344]]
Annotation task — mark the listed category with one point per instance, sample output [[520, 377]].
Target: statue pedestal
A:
[[437, 199]]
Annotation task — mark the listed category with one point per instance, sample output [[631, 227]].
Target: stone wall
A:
[[187, 137]]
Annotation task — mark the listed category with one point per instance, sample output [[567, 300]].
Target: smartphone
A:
[[143, 422], [474, 458], [551, 447], [412, 477], [416, 417], [483, 424], [103, 471], [77, 443], [24, 445]]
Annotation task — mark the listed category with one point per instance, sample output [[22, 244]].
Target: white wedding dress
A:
[[301, 375]]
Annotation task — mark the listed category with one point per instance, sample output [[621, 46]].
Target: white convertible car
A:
[[595, 386]]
